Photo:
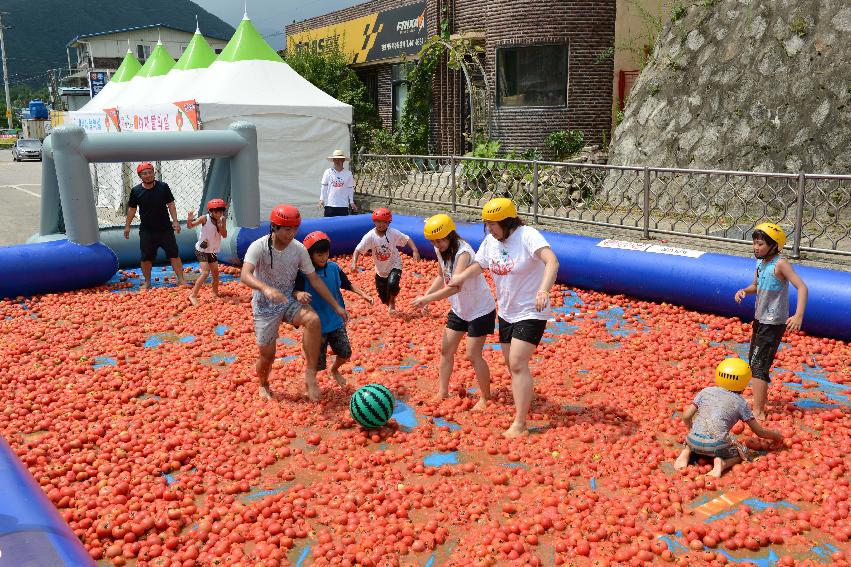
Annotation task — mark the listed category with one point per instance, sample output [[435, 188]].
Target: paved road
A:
[[20, 199]]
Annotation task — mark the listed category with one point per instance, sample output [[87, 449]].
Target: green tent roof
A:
[[127, 70], [159, 63], [248, 45], [197, 55]]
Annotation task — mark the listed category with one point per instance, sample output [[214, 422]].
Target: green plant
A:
[[384, 142], [605, 55], [799, 26], [655, 88], [476, 173], [329, 70], [413, 127], [678, 12], [564, 144], [619, 115]]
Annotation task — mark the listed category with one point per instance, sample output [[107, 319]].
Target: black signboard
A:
[[97, 80]]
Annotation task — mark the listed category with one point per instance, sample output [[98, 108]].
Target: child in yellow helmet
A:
[[524, 269], [771, 286], [473, 310], [714, 412]]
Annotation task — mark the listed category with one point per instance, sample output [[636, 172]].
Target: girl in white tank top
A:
[[473, 309], [213, 229]]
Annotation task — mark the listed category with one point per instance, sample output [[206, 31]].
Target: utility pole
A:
[[5, 73]]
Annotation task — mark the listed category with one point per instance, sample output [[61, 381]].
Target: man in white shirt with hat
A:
[[337, 195]]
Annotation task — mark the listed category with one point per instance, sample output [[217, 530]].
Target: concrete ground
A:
[[20, 199]]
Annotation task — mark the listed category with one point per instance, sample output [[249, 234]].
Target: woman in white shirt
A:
[[473, 310], [524, 269], [337, 195]]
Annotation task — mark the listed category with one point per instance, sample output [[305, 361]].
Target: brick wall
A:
[[587, 26]]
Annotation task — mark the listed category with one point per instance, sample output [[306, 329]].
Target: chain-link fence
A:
[[112, 183], [720, 205]]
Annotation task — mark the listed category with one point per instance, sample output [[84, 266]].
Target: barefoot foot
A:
[[194, 301], [481, 405], [313, 392], [265, 393], [682, 460], [515, 431], [715, 472], [339, 378]]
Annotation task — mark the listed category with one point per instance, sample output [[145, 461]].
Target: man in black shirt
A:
[[155, 203]]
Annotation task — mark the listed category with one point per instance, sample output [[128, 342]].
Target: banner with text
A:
[[92, 122], [174, 117], [380, 35]]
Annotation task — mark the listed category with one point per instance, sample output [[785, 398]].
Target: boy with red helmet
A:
[[384, 243], [334, 334], [213, 229], [270, 267]]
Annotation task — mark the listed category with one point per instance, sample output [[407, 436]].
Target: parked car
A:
[[26, 149]]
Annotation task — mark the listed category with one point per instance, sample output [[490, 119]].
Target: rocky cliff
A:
[[759, 85]]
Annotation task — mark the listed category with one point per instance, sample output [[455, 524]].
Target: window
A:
[[400, 84], [370, 81], [532, 76], [143, 51]]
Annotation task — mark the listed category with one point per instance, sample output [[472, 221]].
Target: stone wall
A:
[[760, 85]]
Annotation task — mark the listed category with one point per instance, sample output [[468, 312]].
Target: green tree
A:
[[329, 71], [21, 94]]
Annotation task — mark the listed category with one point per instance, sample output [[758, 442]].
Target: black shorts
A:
[[149, 242], [527, 330], [388, 287], [336, 211], [478, 327], [338, 340], [764, 343], [208, 257]]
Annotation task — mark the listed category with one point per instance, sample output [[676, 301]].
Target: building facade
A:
[[106, 50], [544, 63]]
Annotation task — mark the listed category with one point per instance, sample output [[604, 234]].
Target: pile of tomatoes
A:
[[166, 455]]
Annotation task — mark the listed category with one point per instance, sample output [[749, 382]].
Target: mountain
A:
[[37, 31]]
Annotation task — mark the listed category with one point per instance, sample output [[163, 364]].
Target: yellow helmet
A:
[[774, 232], [499, 209], [438, 226], [733, 374]]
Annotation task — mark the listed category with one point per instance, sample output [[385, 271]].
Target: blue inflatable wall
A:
[[701, 281], [58, 265], [31, 530]]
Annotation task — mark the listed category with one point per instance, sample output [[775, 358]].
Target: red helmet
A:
[[285, 215], [315, 237], [216, 204], [382, 214], [143, 166]]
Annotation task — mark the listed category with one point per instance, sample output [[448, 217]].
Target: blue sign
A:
[[97, 80]]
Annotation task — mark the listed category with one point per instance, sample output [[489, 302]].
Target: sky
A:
[[270, 16]]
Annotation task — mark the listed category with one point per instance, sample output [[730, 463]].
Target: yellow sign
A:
[[380, 35], [8, 114]]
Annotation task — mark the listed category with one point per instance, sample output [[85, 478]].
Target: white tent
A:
[[116, 85], [298, 125]]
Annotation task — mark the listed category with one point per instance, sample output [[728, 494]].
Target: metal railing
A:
[[815, 210]]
